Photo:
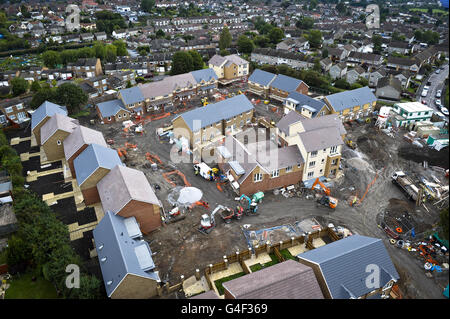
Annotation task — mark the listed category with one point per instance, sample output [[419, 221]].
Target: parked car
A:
[[444, 110], [438, 93], [424, 93], [424, 102], [438, 71], [438, 103]]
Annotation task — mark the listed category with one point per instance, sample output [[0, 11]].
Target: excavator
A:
[[204, 101], [252, 206], [208, 222], [351, 144], [325, 200]]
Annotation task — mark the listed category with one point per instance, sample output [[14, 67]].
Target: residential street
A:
[[437, 83]]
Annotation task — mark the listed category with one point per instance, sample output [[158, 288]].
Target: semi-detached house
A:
[[230, 68]]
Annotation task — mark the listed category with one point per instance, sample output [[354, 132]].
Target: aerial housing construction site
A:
[[228, 205]]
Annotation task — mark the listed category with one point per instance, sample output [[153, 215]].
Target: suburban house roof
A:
[[121, 251], [401, 61], [262, 77], [57, 122], [111, 108], [329, 120], [122, 185], [132, 95], [93, 157], [180, 81], [348, 99], [302, 100], [343, 264], [213, 113], [321, 138], [217, 60], [46, 109], [286, 83], [81, 136], [390, 81], [204, 75], [287, 120], [411, 107], [287, 280], [155, 89], [235, 59]]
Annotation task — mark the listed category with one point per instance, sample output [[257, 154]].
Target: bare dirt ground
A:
[[179, 248]]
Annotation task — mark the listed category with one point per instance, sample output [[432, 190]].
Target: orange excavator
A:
[[325, 200]]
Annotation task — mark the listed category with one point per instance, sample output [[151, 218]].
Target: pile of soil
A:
[[401, 213], [433, 157]]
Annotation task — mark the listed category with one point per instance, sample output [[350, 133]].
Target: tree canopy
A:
[[225, 39], [19, 86], [245, 44]]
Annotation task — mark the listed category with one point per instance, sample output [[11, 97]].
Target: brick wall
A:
[[146, 214], [91, 196]]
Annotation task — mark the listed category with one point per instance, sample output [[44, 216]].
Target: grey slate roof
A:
[[46, 109], [118, 246], [217, 60], [204, 74], [328, 120], [321, 138], [343, 264], [81, 136], [57, 122], [285, 83], [262, 77], [304, 100], [123, 184], [286, 280], [111, 108], [213, 113], [288, 120], [348, 99], [132, 95], [93, 157]]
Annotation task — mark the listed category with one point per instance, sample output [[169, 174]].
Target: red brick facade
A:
[[146, 214], [91, 196]]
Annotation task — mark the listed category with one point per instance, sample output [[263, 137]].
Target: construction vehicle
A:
[[266, 102], [208, 222], [205, 171], [258, 197], [405, 183], [351, 144], [251, 208], [204, 101], [325, 189], [228, 214], [328, 201]]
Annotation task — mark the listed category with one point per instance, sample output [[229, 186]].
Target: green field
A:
[[24, 288], [220, 281], [426, 10]]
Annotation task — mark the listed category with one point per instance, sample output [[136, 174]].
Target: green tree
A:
[[160, 34], [262, 41], [197, 60], [44, 94], [89, 288], [305, 23], [342, 84], [325, 53], [377, 41], [111, 53], [129, 85], [121, 48], [18, 251], [315, 38], [182, 62], [35, 86], [100, 51], [147, 5], [224, 52], [245, 44], [276, 35], [72, 96], [225, 39], [19, 86], [341, 8], [51, 58]]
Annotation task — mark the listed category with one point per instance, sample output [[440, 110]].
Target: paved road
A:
[[437, 83]]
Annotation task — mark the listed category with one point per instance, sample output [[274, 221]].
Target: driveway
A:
[[437, 83]]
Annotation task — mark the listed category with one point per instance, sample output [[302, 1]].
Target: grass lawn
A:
[[3, 257], [286, 254], [82, 113], [220, 281], [426, 10], [23, 288], [257, 267]]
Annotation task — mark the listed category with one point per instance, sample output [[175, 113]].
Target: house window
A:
[[288, 169], [333, 162], [19, 106], [312, 164], [8, 109], [119, 116], [109, 118], [314, 154], [257, 177], [310, 174], [58, 142], [275, 173]]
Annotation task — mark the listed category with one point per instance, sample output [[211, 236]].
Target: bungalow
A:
[[253, 165], [355, 58], [305, 105], [403, 64], [53, 134], [340, 277], [125, 259], [389, 88], [398, 47], [42, 114], [126, 192], [286, 280], [91, 166], [112, 111], [352, 104], [77, 141]]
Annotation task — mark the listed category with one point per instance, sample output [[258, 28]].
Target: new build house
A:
[[205, 126], [352, 104], [342, 268], [125, 259], [305, 105], [319, 141], [112, 111], [77, 142], [14, 110], [230, 68], [91, 166], [42, 114], [252, 163], [53, 134], [126, 192], [259, 82]]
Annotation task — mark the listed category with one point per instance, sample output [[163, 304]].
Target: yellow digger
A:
[[204, 101], [351, 144]]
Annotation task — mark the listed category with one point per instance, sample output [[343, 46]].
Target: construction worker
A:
[[196, 170]]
